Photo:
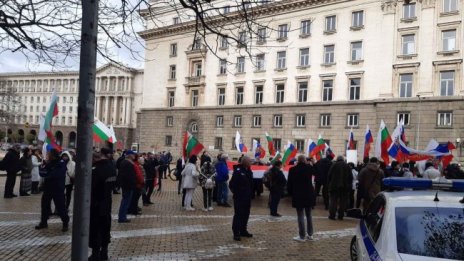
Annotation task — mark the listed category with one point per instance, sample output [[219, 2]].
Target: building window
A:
[[259, 94], [352, 120], [226, 9], [218, 143], [168, 140], [171, 98], [70, 120], [282, 32], [224, 42], [261, 35], [329, 54], [173, 50], [281, 59], [176, 20], [194, 127], [197, 68], [304, 57], [325, 120], [450, 6], [355, 89], [237, 121], [300, 120], [240, 64], [403, 116], [445, 119], [260, 62], [305, 27], [70, 109], [221, 96], [357, 19], [408, 46], [449, 40], [222, 66], [356, 51], [43, 108], [447, 83], [280, 93], [302, 92], [239, 95], [63, 120], [196, 44], [220, 121], [277, 144], [170, 121], [330, 23], [64, 99], [299, 144], [406, 85], [63, 110], [278, 120], [194, 98], [172, 72], [327, 86], [409, 11], [257, 121], [242, 38], [70, 99]]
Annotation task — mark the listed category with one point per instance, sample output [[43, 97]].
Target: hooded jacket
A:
[[71, 169], [370, 180]]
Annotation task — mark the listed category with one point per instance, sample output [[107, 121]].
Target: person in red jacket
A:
[[134, 208]]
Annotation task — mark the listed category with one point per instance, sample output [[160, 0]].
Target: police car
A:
[[412, 224]]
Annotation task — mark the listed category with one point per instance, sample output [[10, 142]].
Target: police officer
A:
[[241, 186]]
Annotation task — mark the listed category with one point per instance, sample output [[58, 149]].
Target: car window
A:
[[374, 217], [430, 231]]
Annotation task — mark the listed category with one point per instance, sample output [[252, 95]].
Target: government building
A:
[[118, 96], [307, 68]]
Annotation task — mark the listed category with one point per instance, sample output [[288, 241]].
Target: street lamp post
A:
[[418, 123]]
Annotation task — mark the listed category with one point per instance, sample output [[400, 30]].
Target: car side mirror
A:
[[355, 213]]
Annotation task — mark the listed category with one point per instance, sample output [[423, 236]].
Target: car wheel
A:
[[354, 249]]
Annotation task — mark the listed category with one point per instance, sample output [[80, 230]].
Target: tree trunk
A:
[[85, 118]]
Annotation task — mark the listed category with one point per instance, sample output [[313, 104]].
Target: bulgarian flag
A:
[[320, 147], [191, 146], [276, 157], [101, 132], [383, 143], [113, 135], [289, 154], [270, 145], [45, 132]]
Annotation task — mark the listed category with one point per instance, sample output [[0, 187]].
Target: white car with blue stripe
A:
[[412, 225]]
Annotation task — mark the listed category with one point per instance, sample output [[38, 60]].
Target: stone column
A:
[[107, 109], [124, 108], [115, 107], [129, 86], [98, 107], [128, 110], [117, 83]]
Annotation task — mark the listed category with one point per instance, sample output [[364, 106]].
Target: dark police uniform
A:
[[241, 185]]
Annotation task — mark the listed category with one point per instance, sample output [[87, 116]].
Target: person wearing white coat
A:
[[70, 173], [36, 162], [190, 181]]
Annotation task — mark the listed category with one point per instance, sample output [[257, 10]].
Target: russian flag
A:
[[350, 145], [368, 139], [328, 151], [311, 147], [258, 150], [239, 144]]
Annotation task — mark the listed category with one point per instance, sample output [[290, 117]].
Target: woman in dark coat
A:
[[300, 188], [26, 177]]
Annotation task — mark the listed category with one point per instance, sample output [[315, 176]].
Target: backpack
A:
[[209, 184]]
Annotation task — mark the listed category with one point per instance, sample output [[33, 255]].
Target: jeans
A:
[[207, 197], [338, 200], [58, 200], [134, 205], [188, 197], [68, 195], [275, 199], [149, 187], [125, 203], [301, 224], [223, 192]]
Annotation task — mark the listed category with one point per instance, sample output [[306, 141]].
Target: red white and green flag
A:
[[45, 132], [270, 145], [289, 154], [383, 143], [190, 146], [319, 149], [101, 132]]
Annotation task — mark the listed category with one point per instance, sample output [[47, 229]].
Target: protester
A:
[[241, 186], [323, 167], [179, 168], [207, 181], [340, 184], [370, 180], [159, 170], [354, 173], [25, 162], [127, 182], [35, 177], [222, 176], [204, 158], [70, 175], [276, 187], [54, 174], [430, 171], [137, 192], [103, 179], [11, 164], [393, 170], [150, 173], [406, 172], [190, 181], [300, 188], [163, 167]]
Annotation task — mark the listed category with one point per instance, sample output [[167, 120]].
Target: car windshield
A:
[[430, 231]]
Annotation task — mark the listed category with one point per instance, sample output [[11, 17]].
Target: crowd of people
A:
[[135, 176]]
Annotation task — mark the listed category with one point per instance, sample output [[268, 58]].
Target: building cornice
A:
[[261, 11]]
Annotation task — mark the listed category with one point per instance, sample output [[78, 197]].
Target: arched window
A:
[[194, 127]]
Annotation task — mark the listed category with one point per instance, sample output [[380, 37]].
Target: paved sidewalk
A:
[[166, 232]]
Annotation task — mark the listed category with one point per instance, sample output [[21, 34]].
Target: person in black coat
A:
[[323, 167], [277, 186], [300, 188], [340, 184], [241, 185], [103, 180], [126, 179], [150, 173], [179, 168], [11, 164], [54, 174]]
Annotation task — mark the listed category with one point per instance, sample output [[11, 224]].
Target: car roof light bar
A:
[[455, 185]]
